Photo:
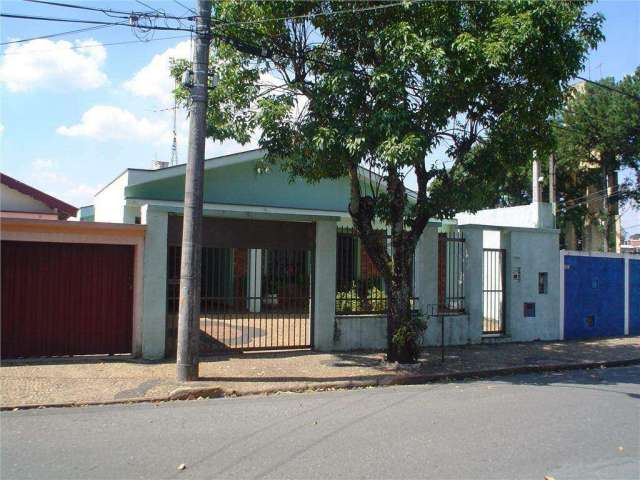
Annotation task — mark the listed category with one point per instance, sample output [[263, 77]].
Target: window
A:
[[543, 283]]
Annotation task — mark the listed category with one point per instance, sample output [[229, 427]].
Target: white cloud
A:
[[154, 79], [53, 65], [45, 175], [1, 129], [104, 122]]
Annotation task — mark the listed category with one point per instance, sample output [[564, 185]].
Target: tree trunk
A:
[[401, 345]]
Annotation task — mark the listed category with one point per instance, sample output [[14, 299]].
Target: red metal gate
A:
[[66, 299]]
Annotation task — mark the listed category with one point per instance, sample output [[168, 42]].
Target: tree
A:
[[598, 135], [338, 85]]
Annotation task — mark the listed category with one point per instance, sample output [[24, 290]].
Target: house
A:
[[282, 267], [19, 200]]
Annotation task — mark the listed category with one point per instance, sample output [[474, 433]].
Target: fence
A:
[[600, 294], [451, 272], [360, 288], [493, 291], [251, 299]]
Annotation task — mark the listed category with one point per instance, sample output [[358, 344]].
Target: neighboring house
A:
[[283, 268], [19, 200], [68, 288]]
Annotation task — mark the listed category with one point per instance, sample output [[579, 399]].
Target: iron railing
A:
[[251, 299], [493, 294], [451, 272], [360, 288]]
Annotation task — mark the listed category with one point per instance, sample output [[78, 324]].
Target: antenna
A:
[[173, 160]]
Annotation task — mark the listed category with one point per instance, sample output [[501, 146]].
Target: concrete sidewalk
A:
[[85, 380]]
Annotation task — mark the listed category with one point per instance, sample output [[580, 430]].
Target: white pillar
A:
[[627, 281], [254, 304], [426, 265], [535, 195], [324, 289], [473, 280], [154, 297]]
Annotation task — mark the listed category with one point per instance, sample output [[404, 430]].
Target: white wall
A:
[[15, 201], [109, 205], [534, 215], [530, 250]]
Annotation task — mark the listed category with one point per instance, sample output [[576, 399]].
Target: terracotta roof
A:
[[63, 209]]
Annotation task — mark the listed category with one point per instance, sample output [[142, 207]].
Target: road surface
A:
[[571, 425]]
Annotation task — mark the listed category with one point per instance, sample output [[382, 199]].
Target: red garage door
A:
[[66, 299]]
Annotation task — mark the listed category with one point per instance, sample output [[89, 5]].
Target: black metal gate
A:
[[493, 291], [251, 298]]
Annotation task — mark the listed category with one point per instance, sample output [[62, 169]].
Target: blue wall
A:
[[594, 286], [634, 297]]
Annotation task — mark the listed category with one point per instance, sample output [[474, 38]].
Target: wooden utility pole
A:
[[189, 310]]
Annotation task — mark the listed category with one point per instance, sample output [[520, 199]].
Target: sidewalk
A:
[[85, 380]]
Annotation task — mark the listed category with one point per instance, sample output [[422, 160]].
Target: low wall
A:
[[369, 332], [359, 332]]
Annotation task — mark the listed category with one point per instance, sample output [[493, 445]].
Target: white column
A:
[[426, 288], [535, 195], [154, 297], [627, 280], [254, 266], [324, 290], [473, 278]]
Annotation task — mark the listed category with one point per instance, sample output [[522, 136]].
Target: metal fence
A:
[[493, 295], [251, 299], [360, 288], [451, 272]]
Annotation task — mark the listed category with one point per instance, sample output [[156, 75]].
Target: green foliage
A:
[[348, 301], [384, 88], [408, 337]]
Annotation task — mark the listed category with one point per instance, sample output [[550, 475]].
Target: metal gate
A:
[[493, 294], [251, 298]]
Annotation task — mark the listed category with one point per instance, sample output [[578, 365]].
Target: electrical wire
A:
[[610, 88], [185, 7], [323, 14], [93, 22], [126, 42], [42, 37], [108, 10]]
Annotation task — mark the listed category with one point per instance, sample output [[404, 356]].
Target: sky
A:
[[76, 111]]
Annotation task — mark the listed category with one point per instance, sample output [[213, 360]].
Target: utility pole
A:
[[189, 310], [552, 186]]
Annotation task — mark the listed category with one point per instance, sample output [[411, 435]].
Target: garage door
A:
[[66, 299]]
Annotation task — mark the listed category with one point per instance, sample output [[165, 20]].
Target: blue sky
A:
[[74, 114]]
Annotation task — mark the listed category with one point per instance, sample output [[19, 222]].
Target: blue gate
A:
[[594, 298]]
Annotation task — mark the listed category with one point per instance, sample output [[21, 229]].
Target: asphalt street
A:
[[570, 425]]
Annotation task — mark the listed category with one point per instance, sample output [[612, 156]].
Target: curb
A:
[[194, 393]]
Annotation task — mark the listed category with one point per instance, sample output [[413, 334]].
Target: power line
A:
[[185, 7], [42, 37], [93, 22], [126, 42], [323, 14], [610, 88], [108, 10]]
